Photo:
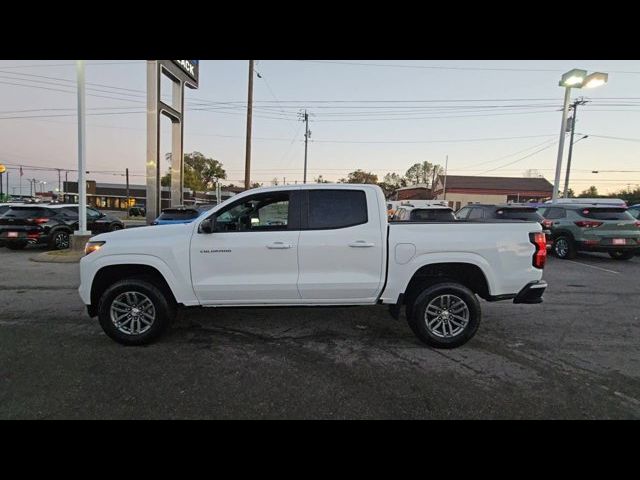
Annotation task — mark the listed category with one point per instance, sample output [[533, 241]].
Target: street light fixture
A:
[[575, 78]]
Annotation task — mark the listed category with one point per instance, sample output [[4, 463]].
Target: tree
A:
[[394, 180], [571, 193], [200, 172], [360, 176], [591, 192], [424, 172], [275, 181], [256, 185], [320, 179]]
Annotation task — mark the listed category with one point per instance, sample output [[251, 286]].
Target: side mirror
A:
[[209, 225]]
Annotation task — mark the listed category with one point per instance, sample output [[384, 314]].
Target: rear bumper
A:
[[597, 247], [531, 293]]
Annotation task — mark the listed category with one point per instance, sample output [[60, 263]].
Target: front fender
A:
[[181, 288]]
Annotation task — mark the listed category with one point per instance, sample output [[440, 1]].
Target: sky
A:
[[495, 118]]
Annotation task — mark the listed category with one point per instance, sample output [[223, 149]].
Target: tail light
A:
[[588, 224], [540, 255], [39, 220], [547, 224], [638, 224]]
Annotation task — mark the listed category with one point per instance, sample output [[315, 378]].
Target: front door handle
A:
[[362, 244], [279, 245]]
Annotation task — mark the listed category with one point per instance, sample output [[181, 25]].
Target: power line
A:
[[519, 160], [443, 67]]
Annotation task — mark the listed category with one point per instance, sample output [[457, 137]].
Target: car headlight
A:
[[92, 247]]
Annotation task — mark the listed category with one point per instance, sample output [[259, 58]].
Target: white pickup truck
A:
[[311, 245]]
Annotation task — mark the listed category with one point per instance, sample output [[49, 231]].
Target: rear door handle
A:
[[362, 244], [279, 245]]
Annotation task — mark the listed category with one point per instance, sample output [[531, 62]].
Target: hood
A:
[[143, 233]]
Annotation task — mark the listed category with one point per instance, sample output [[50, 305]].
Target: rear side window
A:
[[605, 213], [553, 213], [433, 215], [178, 215], [528, 214], [26, 212], [337, 208]]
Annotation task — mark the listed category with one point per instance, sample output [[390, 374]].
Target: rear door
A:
[[341, 246]]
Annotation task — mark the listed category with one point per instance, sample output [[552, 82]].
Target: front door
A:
[[252, 256]]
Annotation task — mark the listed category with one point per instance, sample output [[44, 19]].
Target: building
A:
[[420, 191], [462, 190], [113, 196]]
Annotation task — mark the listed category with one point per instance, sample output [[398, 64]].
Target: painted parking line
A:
[[593, 266]]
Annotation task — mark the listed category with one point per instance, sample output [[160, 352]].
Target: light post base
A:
[[79, 239]]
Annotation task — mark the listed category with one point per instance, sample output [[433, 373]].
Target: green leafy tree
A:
[[571, 193], [200, 172], [424, 172], [360, 176], [591, 192]]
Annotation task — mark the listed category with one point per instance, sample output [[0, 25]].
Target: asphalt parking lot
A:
[[576, 356]]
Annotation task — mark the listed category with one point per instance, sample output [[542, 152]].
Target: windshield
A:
[[609, 213], [528, 214], [432, 215]]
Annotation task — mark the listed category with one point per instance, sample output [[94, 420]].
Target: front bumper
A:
[[531, 293]]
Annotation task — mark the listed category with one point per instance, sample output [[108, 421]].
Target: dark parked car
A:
[[424, 214], [593, 227], [137, 211], [23, 225], [510, 211]]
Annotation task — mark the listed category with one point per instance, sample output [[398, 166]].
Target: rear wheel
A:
[[60, 240], [445, 315], [16, 245], [564, 247], [134, 311], [114, 227], [621, 255]]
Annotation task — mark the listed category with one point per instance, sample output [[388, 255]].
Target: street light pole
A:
[[247, 161], [563, 128], [82, 161]]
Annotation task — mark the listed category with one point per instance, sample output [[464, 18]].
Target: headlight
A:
[[92, 247]]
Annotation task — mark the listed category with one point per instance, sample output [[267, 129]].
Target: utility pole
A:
[[305, 117], [444, 188], [574, 106], [247, 166], [59, 182], [126, 173]]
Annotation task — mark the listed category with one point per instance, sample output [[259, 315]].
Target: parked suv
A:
[[424, 214], [594, 228], [510, 211], [23, 225], [634, 210]]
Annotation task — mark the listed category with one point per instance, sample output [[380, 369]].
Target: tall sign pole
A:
[[82, 161], [247, 165]]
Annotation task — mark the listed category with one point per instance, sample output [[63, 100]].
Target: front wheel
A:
[[114, 227], [445, 315], [621, 255], [134, 312]]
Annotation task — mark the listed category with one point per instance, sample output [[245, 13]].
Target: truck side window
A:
[[337, 208], [264, 212]]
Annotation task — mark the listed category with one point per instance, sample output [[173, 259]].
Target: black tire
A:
[[465, 304], [16, 245], [163, 309], [60, 240], [114, 227], [622, 255], [564, 247]]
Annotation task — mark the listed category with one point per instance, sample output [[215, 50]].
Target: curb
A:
[[58, 257]]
